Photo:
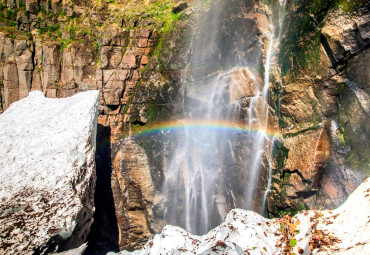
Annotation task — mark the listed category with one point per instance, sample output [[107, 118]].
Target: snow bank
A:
[[47, 172], [345, 230]]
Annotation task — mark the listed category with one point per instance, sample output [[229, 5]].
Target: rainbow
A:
[[201, 125]]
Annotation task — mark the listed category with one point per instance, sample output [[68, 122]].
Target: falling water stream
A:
[[196, 187], [282, 13]]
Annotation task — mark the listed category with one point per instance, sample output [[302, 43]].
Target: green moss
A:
[[348, 6], [150, 110], [42, 9], [300, 48], [342, 87], [169, 21], [356, 162], [130, 99], [64, 43], [7, 17], [281, 153]]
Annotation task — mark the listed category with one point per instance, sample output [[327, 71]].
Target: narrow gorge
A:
[[203, 109]]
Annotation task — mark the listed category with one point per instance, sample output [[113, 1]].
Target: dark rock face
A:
[[179, 7], [233, 37], [104, 232]]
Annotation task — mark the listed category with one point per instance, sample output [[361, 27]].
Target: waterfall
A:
[[216, 163], [195, 163], [268, 189], [260, 139]]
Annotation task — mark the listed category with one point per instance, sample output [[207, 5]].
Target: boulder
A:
[[47, 173]]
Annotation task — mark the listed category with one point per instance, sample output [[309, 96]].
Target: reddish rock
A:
[[143, 32], [128, 60], [133, 193], [144, 60], [142, 43]]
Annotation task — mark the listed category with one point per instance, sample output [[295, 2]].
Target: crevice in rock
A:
[[305, 194], [113, 107], [329, 52], [299, 174], [138, 122], [103, 236]]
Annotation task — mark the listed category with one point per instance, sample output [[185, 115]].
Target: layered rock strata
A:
[[47, 175]]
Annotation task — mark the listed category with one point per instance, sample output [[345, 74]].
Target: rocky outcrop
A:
[[324, 155], [47, 175], [344, 36], [133, 192], [341, 231], [306, 158], [64, 72]]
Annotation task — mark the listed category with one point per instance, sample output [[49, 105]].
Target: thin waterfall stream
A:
[[282, 13]]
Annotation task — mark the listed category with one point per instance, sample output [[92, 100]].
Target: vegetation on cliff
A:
[[300, 47]]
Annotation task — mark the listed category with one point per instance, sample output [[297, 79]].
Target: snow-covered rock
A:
[[47, 172], [345, 230], [78, 251]]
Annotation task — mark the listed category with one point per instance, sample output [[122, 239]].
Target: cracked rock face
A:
[[47, 173], [133, 192], [341, 231]]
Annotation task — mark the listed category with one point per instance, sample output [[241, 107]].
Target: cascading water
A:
[[204, 178], [261, 136]]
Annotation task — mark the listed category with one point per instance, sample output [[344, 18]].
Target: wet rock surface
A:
[[47, 173]]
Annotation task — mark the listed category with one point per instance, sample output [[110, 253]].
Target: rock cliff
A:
[[64, 47], [47, 175], [137, 54], [321, 99]]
